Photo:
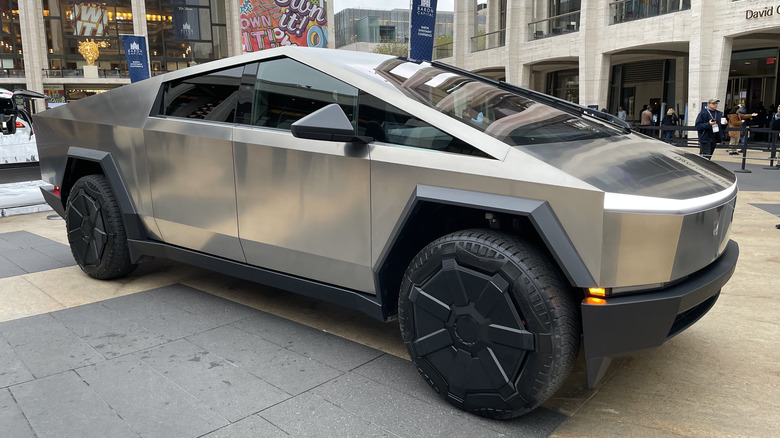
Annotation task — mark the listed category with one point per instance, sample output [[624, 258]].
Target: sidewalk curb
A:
[[27, 209]]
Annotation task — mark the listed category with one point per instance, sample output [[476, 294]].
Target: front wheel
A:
[[96, 232], [489, 321]]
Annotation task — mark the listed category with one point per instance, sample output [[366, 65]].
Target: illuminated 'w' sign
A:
[[89, 19]]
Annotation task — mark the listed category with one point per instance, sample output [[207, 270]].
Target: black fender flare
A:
[[112, 174], [539, 213]]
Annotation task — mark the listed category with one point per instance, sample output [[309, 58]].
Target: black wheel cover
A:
[[96, 232], [479, 328], [86, 227]]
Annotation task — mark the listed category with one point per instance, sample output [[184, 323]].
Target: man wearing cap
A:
[[710, 128]]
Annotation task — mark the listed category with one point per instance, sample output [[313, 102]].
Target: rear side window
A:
[[287, 90], [207, 97]]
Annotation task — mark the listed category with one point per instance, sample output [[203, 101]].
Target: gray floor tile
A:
[[334, 351], [250, 427], [771, 208], [402, 375], [25, 239], [311, 416], [158, 316], [12, 421], [216, 310], [9, 268], [108, 331], [401, 413], [12, 369], [64, 406], [287, 370], [150, 403], [231, 391], [46, 346], [58, 252], [32, 260]]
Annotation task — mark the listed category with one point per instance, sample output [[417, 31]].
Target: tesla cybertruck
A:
[[501, 226]]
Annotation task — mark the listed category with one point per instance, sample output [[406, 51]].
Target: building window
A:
[[70, 22], [11, 61], [185, 32], [629, 10], [564, 84]]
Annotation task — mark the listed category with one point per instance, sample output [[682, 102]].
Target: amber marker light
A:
[[597, 292], [594, 300]]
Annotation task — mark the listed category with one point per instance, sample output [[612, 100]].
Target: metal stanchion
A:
[[744, 155], [773, 154]]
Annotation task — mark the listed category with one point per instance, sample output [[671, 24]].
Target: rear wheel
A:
[[489, 321], [96, 232]]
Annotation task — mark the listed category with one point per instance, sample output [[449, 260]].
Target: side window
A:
[[386, 123], [207, 97], [287, 90]]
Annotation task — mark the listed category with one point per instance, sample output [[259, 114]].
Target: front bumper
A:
[[624, 325]]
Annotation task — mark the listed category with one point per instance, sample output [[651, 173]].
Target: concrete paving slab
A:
[[229, 390], [108, 332], [12, 418], [12, 369], [335, 352], [250, 427], [287, 370], [64, 406], [311, 416], [46, 346], [217, 311], [151, 404]]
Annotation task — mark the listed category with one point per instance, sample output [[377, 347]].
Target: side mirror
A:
[[327, 123]]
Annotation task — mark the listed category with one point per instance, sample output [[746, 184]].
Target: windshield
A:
[[510, 117]]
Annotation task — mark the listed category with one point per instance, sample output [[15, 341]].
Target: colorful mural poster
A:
[[273, 23], [90, 19]]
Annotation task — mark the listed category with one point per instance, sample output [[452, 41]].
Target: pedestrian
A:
[[621, 113], [709, 126], [736, 120], [670, 119], [775, 120], [646, 119]]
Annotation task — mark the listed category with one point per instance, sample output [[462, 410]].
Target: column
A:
[[139, 17], [34, 46], [465, 24], [710, 59], [594, 64], [233, 19], [518, 14]]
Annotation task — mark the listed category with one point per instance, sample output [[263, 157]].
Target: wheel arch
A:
[[432, 212], [82, 162]]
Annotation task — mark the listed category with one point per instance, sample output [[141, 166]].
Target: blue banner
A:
[[136, 56], [421, 32], [186, 23]]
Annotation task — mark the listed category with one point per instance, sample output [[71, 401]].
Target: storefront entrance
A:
[[753, 79]]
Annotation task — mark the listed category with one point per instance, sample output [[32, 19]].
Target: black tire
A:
[[96, 232], [490, 322]]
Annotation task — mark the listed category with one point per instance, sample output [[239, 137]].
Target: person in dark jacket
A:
[[710, 129], [670, 119]]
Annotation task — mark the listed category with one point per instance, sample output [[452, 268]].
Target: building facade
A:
[[630, 53]]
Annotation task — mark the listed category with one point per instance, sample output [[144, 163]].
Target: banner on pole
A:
[[137, 57], [421, 31]]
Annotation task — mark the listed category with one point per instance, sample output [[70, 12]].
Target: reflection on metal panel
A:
[[304, 206], [193, 186]]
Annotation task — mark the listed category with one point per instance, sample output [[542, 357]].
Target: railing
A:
[[11, 73], [488, 41], [622, 11], [553, 26], [442, 51], [79, 73]]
